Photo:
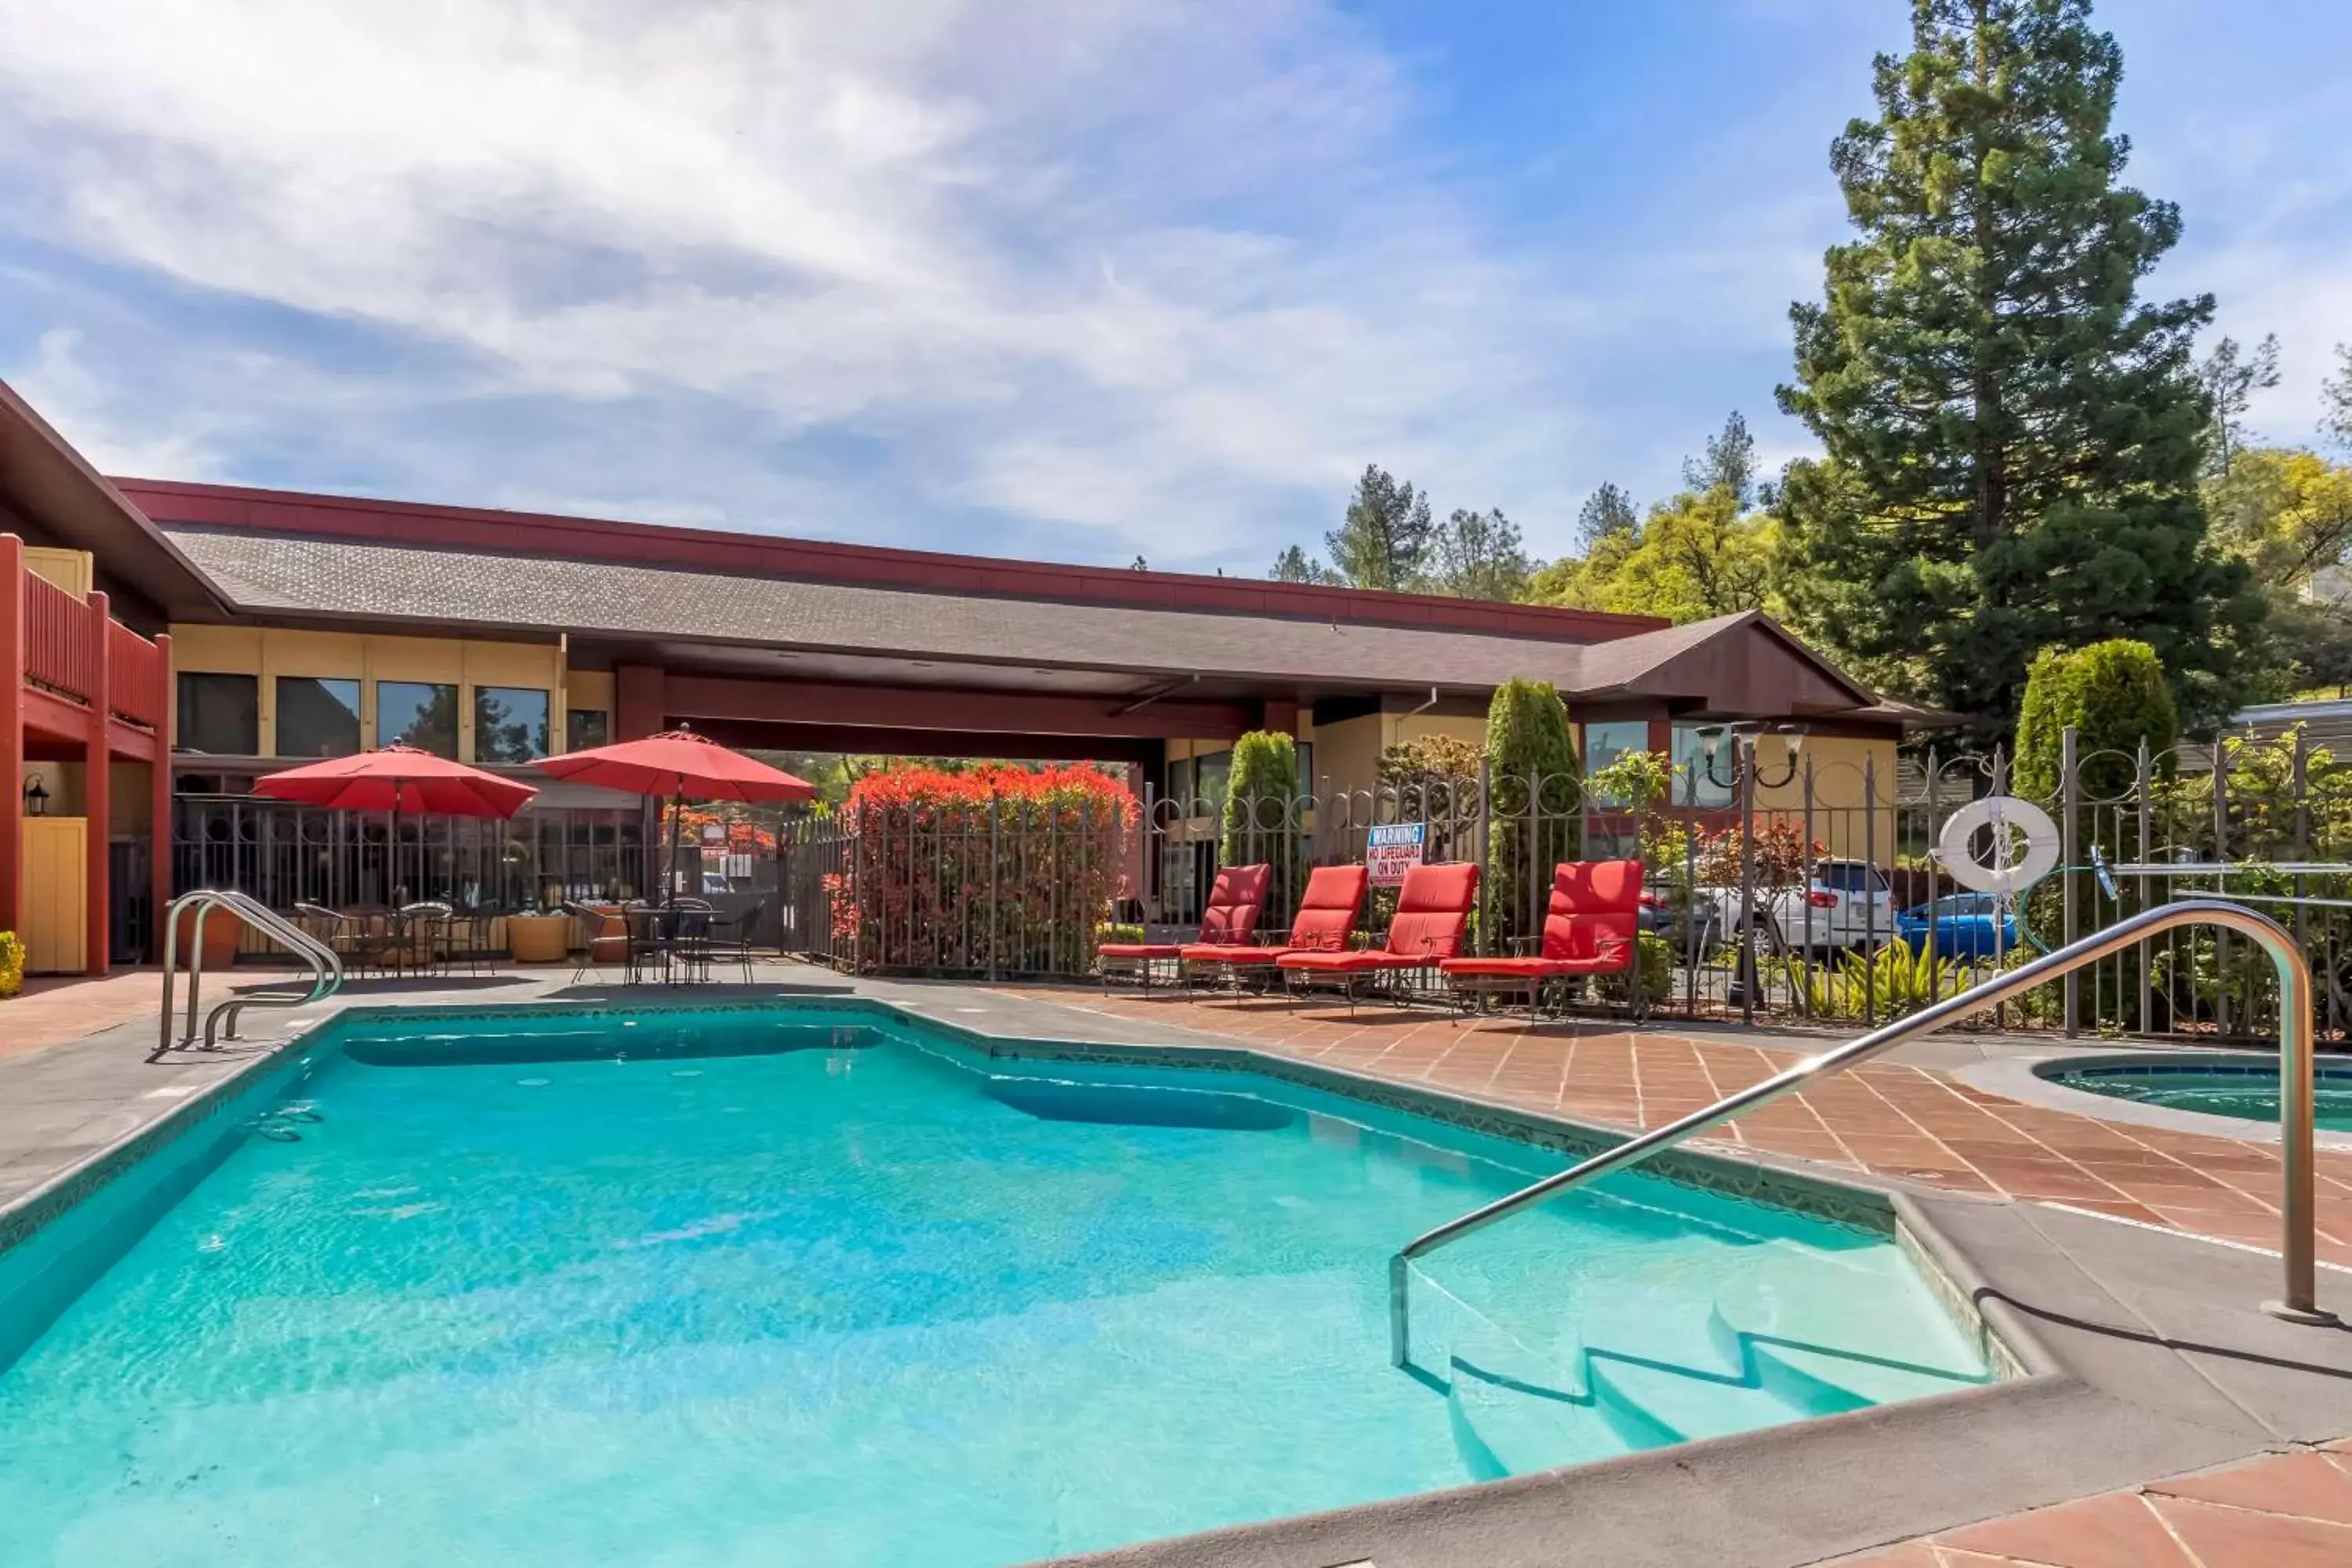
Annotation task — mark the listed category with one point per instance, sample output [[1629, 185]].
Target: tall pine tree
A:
[[1385, 538], [2013, 438]]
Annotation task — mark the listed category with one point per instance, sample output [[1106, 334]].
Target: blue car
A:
[[1967, 925]]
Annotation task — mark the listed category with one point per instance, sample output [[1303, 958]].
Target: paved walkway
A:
[[2293, 1511], [1889, 1118], [54, 1008]]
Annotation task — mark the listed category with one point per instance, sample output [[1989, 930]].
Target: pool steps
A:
[[1788, 1342]]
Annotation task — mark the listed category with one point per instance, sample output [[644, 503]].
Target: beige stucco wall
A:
[[1838, 764], [270, 652]]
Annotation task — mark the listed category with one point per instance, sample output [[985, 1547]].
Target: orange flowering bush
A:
[[1000, 867]]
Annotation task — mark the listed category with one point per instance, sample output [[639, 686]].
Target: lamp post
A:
[[1743, 783]]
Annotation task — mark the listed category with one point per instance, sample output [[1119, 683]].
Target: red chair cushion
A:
[[1434, 911], [1526, 968], [1595, 914], [1226, 953], [1138, 950], [1235, 900], [1327, 911], [1347, 962]]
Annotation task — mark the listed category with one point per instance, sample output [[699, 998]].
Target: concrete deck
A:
[[2147, 1362]]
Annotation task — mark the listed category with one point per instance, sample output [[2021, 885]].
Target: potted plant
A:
[[221, 931], [12, 964], [536, 938]]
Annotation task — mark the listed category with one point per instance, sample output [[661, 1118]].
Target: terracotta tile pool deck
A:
[[1888, 1118]]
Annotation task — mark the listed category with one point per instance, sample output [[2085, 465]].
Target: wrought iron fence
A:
[[1781, 886]]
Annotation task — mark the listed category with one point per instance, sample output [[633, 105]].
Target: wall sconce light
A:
[[37, 797]]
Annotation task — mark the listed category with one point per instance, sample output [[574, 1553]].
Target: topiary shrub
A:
[[1258, 797], [2114, 695], [1533, 819]]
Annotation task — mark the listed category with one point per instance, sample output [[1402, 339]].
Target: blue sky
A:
[[1079, 280]]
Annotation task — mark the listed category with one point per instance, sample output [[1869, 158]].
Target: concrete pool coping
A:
[[2025, 1077], [2139, 1354]]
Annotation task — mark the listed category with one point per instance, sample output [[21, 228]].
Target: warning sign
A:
[[1392, 849]]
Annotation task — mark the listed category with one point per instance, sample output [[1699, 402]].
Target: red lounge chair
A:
[[1591, 927], [1235, 898], [1326, 919], [1433, 911]]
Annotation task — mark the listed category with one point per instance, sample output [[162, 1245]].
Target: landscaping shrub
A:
[[12, 964], [998, 868], [1534, 804], [1258, 795], [2115, 696]]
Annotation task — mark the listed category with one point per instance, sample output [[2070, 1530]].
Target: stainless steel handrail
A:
[[325, 964], [2298, 1212]]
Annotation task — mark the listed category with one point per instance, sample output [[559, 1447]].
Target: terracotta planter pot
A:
[[222, 930], [539, 939]]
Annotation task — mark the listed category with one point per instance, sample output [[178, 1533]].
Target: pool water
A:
[[2245, 1090], [817, 1288]]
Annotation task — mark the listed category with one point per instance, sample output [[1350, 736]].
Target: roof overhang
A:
[[53, 486]]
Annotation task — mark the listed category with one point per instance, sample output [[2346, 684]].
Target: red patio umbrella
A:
[[397, 778], [681, 765]]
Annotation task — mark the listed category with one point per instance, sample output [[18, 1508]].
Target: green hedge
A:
[[2114, 695]]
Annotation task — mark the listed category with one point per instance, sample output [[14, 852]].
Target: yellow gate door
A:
[[56, 893]]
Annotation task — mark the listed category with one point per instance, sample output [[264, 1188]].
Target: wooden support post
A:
[[12, 731], [98, 794], [159, 857]]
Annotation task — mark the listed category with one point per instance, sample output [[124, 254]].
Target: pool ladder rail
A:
[[326, 966], [2297, 1111]]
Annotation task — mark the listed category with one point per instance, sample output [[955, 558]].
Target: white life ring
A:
[[2004, 876]]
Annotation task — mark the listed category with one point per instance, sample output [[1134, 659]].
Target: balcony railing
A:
[[60, 652], [72, 650], [135, 677]]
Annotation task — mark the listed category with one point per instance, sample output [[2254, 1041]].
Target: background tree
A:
[[1258, 795], [2231, 378], [1534, 822], [2336, 416], [1606, 512], [1729, 464], [2115, 696], [1295, 565], [2013, 437], [1694, 557], [1386, 536], [2287, 514], [1477, 555]]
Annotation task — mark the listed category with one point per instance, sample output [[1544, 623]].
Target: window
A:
[[510, 724], [1604, 743], [586, 727], [317, 718], [1210, 775], [417, 713], [220, 714], [1180, 783], [1306, 769], [1853, 877], [1694, 783]]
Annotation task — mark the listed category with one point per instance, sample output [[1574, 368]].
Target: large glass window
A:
[[418, 714], [1306, 769], [1605, 743], [586, 727], [1695, 784], [1210, 775], [510, 724], [1180, 783], [220, 714], [317, 718]]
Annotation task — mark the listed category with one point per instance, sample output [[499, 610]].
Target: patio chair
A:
[[729, 941], [1592, 926], [1433, 912], [1325, 922], [1236, 900], [606, 930]]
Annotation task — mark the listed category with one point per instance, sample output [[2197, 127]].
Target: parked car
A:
[[1967, 925], [1691, 926], [1849, 905]]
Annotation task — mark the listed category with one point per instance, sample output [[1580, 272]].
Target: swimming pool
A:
[[824, 1287], [2248, 1090]]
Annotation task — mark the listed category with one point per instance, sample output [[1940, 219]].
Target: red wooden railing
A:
[[60, 652], [134, 677]]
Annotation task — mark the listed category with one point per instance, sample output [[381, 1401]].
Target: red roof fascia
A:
[[174, 502]]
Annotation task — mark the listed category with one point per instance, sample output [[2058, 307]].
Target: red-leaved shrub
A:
[[999, 869]]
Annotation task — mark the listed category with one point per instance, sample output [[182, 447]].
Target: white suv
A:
[[1850, 904]]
